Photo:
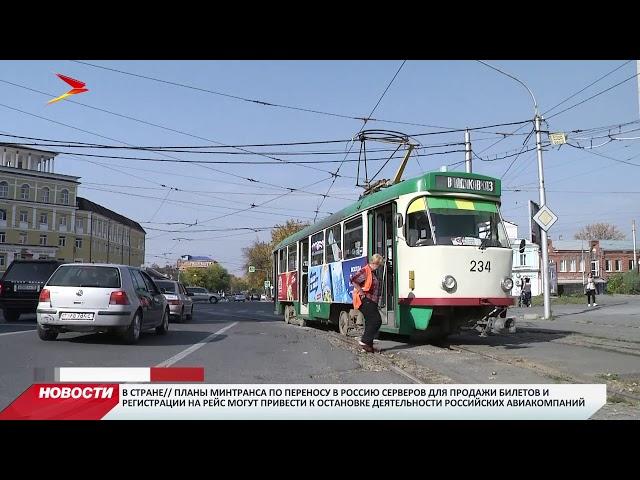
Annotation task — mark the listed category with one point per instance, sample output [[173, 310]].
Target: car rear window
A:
[[170, 287], [86, 276], [30, 271]]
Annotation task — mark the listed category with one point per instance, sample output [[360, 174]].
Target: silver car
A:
[[199, 294], [86, 297], [180, 303]]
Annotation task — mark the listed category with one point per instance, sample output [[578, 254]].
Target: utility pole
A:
[[582, 265], [543, 232], [543, 199], [635, 255], [467, 151]]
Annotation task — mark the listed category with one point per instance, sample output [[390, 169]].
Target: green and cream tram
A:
[[447, 258]]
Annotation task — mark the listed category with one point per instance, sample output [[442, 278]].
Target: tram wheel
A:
[[343, 323], [289, 313]]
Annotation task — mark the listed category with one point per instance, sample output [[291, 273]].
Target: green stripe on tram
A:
[[462, 204]]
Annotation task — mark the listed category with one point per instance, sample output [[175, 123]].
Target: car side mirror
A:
[[522, 245]]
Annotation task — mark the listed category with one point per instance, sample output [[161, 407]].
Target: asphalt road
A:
[[253, 347], [246, 343]]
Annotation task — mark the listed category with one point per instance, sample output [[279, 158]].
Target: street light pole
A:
[[543, 198]]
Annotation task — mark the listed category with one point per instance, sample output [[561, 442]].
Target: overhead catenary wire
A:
[[365, 120], [256, 101]]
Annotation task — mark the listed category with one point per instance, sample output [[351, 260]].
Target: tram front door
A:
[[304, 276], [381, 240]]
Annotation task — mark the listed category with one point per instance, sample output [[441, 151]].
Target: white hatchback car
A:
[[87, 297]]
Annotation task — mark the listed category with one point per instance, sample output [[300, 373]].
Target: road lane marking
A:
[[194, 347], [14, 333]]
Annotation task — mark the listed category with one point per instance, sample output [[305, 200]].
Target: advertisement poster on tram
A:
[[288, 286], [350, 267], [315, 292], [332, 282]]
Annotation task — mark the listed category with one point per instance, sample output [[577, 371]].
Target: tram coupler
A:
[[496, 322]]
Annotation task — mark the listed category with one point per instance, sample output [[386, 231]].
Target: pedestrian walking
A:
[[590, 290]]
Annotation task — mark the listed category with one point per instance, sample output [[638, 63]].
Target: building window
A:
[[3, 260], [78, 243], [79, 224], [63, 220], [582, 264], [22, 239], [3, 237], [64, 197], [607, 265], [43, 239], [618, 265], [4, 189], [630, 264], [595, 268], [572, 265], [563, 265], [44, 218], [24, 216], [45, 195], [62, 241], [24, 192], [3, 215], [523, 259]]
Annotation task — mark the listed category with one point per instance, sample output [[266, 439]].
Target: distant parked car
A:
[[254, 296], [87, 297], [239, 297], [21, 284], [180, 303], [199, 294], [263, 297]]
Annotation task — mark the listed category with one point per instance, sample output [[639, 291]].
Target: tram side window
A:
[[283, 260], [418, 228], [334, 244], [292, 259], [317, 249], [353, 239]]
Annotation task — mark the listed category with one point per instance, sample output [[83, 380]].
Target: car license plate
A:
[[27, 287], [76, 316]]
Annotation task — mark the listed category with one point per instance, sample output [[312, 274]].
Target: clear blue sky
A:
[[444, 93]]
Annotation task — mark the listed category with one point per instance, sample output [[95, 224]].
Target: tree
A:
[[213, 278], [599, 231], [258, 254], [168, 270]]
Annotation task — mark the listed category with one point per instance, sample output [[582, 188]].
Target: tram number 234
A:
[[480, 266]]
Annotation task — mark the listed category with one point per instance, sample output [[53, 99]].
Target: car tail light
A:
[[45, 296], [119, 298], [1, 287], [173, 302]]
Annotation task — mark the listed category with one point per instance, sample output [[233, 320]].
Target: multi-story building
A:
[[104, 236], [192, 261], [575, 259], [42, 217]]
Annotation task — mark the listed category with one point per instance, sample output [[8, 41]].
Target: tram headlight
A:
[[449, 283], [507, 284]]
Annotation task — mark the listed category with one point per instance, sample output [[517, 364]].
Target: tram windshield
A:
[[455, 222]]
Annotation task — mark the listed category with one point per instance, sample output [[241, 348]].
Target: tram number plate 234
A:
[[480, 266]]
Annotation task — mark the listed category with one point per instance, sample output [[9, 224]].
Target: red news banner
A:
[[134, 393]]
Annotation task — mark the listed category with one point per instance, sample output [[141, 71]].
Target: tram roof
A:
[[429, 182]]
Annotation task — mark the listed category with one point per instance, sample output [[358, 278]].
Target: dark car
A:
[[21, 284]]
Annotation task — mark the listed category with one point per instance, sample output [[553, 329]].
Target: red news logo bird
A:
[[78, 87]]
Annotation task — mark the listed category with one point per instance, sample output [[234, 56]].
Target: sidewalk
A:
[[616, 317]]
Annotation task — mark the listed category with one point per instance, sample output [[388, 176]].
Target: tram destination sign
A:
[[484, 185]]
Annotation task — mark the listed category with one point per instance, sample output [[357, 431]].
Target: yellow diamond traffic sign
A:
[[545, 218]]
